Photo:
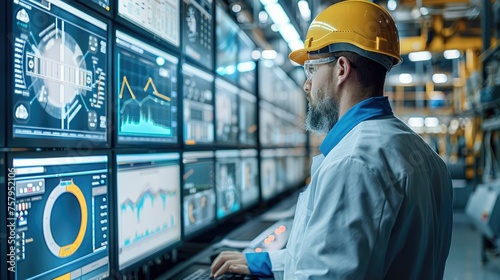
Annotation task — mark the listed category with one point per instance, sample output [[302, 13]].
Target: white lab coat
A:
[[379, 206]]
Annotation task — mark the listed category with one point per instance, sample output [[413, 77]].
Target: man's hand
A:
[[229, 261]]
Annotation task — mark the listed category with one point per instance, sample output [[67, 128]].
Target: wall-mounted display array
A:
[[133, 126]]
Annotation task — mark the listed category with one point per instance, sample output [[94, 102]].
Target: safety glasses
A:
[[310, 65]]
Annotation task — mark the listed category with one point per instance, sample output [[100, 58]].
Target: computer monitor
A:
[[158, 17], [61, 215], [226, 112], [296, 166], [198, 105], [148, 205], [197, 33], [267, 124], [281, 171], [248, 118], [198, 192], [227, 180], [246, 64], [59, 76], [226, 51], [146, 93], [268, 177], [249, 178], [103, 5]]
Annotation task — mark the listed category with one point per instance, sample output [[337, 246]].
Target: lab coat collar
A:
[[367, 109]]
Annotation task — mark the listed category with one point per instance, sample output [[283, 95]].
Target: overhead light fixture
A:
[[419, 56], [255, 54], [451, 54], [281, 23], [439, 78], [276, 13], [405, 78], [424, 11], [416, 122], [236, 8], [431, 122], [246, 66], [305, 11], [392, 5], [269, 54], [263, 17], [288, 32]]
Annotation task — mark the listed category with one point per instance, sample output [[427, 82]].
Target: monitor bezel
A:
[[59, 154], [34, 142], [167, 249], [115, 74]]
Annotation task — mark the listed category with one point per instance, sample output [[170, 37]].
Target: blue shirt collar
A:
[[367, 109]]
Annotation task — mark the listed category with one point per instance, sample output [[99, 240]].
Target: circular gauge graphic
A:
[[63, 251], [58, 71]]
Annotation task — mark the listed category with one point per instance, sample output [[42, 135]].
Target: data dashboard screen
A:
[[227, 181], [249, 178], [198, 105], [159, 17], [198, 31], [199, 191], [148, 200], [246, 64], [268, 169], [61, 216], [60, 74], [248, 118], [146, 92], [226, 112], [226, 34]]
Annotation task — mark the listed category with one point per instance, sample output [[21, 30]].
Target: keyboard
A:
[[204, 274], [199, 274]]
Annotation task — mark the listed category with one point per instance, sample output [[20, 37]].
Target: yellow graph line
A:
[[125, 82], [155, 91]]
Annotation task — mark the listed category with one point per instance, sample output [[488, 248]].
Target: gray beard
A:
[[321, 118]]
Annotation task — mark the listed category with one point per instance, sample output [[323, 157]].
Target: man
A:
[[379, 204]]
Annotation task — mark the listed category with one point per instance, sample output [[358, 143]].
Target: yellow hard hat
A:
[[354, 25]]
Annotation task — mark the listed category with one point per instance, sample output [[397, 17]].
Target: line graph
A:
[[146, 97], [143, 213]]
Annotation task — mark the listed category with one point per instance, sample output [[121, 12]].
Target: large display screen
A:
[[159, 17], [61, 210], [198, 191], [268, 175], [197, 33], [226, 34], [227, 180], [246, 64], [148, 205], [198, 105], [226, 112], [146, 92], [248, 118], [60, 74], [249, 178]]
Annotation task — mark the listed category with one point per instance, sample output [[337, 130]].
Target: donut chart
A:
[[64, 250]]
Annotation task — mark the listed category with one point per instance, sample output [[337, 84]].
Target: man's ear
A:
[[344, 69]]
